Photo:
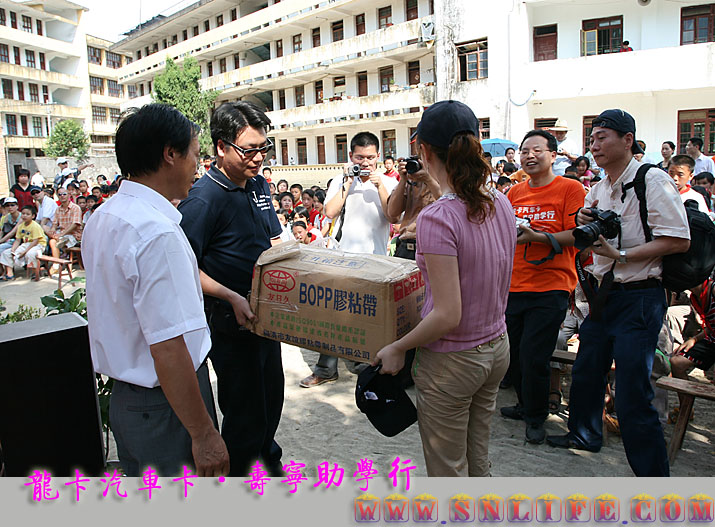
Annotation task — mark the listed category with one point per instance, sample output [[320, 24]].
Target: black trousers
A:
[[250, 390], [533, 321]]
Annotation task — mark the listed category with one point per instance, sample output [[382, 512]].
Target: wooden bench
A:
[[689, 390], [65, 266]]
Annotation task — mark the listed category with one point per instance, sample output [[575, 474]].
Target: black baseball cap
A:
[[35, 189], [383, 399], [443, 120], [621, 121]]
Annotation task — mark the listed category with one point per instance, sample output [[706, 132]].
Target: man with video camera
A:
[[627, 314], [357, 203]]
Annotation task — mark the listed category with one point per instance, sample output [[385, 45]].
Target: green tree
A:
[[68, 139], [179, 87]]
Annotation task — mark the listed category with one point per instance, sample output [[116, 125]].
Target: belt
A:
[[650, 283], [491, 343]]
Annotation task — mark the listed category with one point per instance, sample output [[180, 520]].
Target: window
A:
[[362, 83], [236, 61], [23, 123], [128, 59], [30, 58], [341, 148], [297, 43], [389, 143], [279, 48], [483, 128], [339, 86], [114, 60], [131, 91], [387, 78], [473, 60], [20, 91], [411, 9], [3, 20], [102, 139], [163, 44], [210, 69], [337, 29], [113, 88], [282, 99], [360, 24], [4, 53], [302, 145], [26, 24], [320, 143], [384, 17], [37, 126], [601, 35], [114, 114], [545, 40], [184, 35], [234, 14], [34, 93], [544, 123], [697, 123], [315, 33], [413, 72], [284, 151], [94, 55], [697, 24], [318, 92], [11, 122], [300, 95], [38, 24], [139, 54], [219, 20], [222, 65], [99, 114], [587, 129], [141, 90], [16, 53], [7, 89], [207, 26], [13, 20], [45, 94], [42, 61], [96, 85], [195, 31]]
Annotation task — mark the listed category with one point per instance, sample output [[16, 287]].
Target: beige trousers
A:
[[456, 397]]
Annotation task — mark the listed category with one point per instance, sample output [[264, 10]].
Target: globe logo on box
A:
[[278, 281]]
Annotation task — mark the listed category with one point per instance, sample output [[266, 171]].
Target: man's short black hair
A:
[[143, 134], [697, 141], [81, 197], [364, 139], [31, 208], [503, 180], [509, 167], [683, 160], [91, 197], [389, 157], [268, 169], [232, 118], [706, 176], [298, 186], [551, 142]]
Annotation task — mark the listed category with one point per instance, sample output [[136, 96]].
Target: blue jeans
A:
[[627, 333]]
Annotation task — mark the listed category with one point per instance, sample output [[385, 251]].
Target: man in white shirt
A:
[[357, 203], [703, 163], [46, 208], [37, 180], [147, 326], [567, 150]]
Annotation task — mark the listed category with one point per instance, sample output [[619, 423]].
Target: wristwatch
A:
[[622, 257]]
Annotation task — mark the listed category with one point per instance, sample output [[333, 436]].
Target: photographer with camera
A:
[[357, 203], [625, 320], [542, 279]]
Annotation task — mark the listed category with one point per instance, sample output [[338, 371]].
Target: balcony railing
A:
[[40, 76], [40, 43], [36, 108], [24, 141]]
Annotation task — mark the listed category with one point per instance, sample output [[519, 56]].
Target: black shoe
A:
[[513, 412], [565, 441], [535, 434]]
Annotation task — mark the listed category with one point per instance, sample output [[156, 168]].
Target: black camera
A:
[[606, 223], [413, 164]]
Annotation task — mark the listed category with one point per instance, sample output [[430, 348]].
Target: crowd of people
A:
[[495, 243]]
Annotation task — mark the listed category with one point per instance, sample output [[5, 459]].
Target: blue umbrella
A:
[[497, 147]]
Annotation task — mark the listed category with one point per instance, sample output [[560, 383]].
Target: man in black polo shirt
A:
[[229, 221]]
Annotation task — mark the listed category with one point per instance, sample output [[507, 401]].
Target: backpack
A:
[[683, 270]]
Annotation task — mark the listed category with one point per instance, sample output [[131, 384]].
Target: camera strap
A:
[[339, 234], [596, 299], [555, 249]]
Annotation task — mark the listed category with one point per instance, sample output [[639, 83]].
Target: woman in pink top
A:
[[465, 249]]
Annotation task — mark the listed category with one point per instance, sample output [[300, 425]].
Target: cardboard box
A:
[[344, 304]]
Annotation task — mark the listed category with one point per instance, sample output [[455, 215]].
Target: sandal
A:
[[555, 404]]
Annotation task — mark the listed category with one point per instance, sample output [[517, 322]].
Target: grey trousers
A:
[[148, 432]]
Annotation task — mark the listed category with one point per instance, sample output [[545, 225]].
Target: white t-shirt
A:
[[37, 180], [563, 162], [696, 196], [47, 210], [703, 164], [366, 228]]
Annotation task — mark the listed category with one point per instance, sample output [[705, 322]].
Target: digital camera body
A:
[[605, 222]]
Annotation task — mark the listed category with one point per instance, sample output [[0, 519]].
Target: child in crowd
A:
[[81, 202], [296, 190], [308, 198], [284, 216], [91, 205], [30, 242], [681, 170], [305, 235], [276, 203], [321, 221], [84, 188], [503, 184], [97, 193], [286, 200]]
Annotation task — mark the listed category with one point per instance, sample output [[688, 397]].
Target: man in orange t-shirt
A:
[[544, 274]]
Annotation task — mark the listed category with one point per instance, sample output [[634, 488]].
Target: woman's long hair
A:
[[468, 172]]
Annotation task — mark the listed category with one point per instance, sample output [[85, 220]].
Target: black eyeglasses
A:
[[251, 152]]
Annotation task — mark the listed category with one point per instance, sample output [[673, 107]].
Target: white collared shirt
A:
[[142, 285], [47, 209], [666, 217], [704, 164]]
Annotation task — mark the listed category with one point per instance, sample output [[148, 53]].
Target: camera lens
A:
[[586, 235]]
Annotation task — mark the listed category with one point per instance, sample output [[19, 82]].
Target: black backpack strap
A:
[[638, 185], [555, 249]]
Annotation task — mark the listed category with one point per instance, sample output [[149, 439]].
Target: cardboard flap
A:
[[279, 252]]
